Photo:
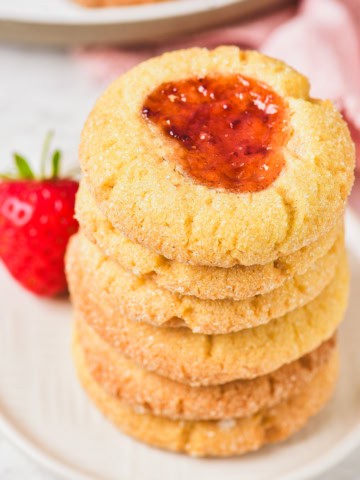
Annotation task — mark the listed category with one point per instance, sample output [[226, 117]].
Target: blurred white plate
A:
[[64, 22], [46, 414]]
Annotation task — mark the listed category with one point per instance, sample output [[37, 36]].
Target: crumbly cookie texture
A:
[[211, 283], [157, 395], [132, 172], [214, 438], [139, 299], [199, 359]]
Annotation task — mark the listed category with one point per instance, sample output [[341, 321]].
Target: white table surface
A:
[[41, 90]]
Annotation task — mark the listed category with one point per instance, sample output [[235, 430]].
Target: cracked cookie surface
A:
[[214, 438], [130, 170], [151, 393], [199, 359], [211, 283], [140, 299]]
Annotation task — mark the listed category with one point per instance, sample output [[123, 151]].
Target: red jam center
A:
[[231, 129]]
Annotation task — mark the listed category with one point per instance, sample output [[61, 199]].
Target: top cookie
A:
[[217, 157]]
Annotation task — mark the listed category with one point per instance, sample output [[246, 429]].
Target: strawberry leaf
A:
[[56, 158], [45, 153], [23, 167]]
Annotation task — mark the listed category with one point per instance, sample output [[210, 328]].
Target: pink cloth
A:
[[320, 39]]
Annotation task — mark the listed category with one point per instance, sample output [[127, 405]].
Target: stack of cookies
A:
[[209, 276]]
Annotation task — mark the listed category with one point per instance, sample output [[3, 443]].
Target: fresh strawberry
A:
[[36, 222]]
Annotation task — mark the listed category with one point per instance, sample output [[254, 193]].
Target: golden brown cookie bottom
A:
[[214, 438], [157, 395], [140, 299], [236, 283], [199, 359]]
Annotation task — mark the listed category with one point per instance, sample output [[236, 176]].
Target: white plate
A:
[[64, 22], [45, 412]]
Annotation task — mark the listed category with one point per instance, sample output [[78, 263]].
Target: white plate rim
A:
[[77, 15], [324, 463]]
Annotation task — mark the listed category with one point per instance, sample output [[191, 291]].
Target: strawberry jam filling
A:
[[230, 129]]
